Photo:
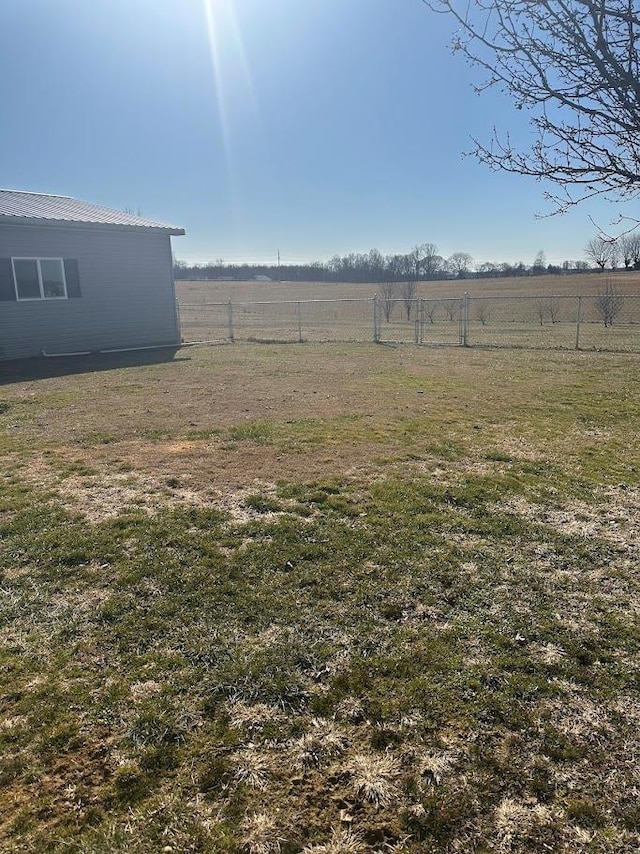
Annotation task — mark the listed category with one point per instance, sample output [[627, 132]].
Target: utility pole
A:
[[279, 276]]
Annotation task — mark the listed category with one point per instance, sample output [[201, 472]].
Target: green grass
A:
[[436, 651]]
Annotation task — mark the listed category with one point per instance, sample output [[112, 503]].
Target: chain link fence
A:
[[279, 322], [608, 321]]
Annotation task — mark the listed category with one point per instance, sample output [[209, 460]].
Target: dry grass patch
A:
[[613, 515]]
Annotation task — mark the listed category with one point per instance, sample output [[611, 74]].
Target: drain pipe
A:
[[136, 349], [58, 355], [105, 352]]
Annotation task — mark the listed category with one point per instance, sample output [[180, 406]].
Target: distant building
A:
[[263, 278], [77, 277]]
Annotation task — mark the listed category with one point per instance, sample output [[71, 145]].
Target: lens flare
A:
[[234, 89], [241, 128]]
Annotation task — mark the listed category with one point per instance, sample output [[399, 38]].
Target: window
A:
[[39, 278]]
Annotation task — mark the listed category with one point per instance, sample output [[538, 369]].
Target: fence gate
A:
[[443, 321]]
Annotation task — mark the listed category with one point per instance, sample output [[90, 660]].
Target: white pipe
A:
[[186, 344], [147, 347], [118, 350], [55, 355]]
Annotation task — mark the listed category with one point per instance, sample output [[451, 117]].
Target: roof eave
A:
[[90, 226]]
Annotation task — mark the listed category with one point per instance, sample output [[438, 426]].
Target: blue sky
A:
[[313, 127]]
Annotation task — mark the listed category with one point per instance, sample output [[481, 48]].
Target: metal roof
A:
[[17, 206]]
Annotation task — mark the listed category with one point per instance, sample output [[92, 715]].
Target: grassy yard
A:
[[322, 598]]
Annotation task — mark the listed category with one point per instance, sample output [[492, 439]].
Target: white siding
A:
[[126, 282]]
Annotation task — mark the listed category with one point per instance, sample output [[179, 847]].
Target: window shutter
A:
[[73, 278], [7, 288]]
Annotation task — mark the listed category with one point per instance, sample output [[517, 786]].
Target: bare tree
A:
[[451, 307], [626, 244], [598, 250], [609, 303], [388, 298], [374, 265], [414, 262], [553, 309], [489, 269], [409, 290], [614, 255], [547, 308], [460, 263], [396, 266], [574, 65], [430, 308], [483, 312], [630, 250], [432, 261], [541, 310], [539, 264]]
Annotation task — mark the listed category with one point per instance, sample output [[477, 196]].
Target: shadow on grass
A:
[[43, 367]]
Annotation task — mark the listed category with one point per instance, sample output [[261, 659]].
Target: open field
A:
[[321, 598], [576, 283], [544, 312]]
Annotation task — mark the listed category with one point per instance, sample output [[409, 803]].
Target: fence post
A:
[[231, 336], [578, 319], [467, 299], [465, 321], [299, 324], [376, 334]]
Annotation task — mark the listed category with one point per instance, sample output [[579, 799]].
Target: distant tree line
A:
[[423, 262]]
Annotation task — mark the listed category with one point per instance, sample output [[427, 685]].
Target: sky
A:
[[305, 127]]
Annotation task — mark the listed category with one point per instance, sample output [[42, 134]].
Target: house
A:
[[78, 278]]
